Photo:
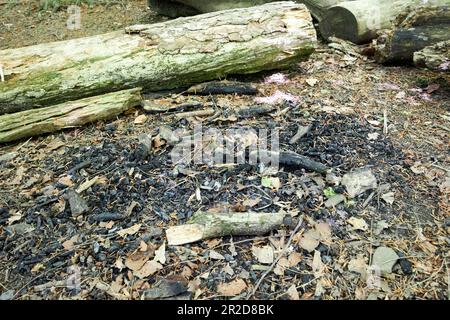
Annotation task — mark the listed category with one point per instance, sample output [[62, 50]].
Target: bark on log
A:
[[166, 55], [206, 225], [419, 28], [359, 21], [66, 115], [435, 57]]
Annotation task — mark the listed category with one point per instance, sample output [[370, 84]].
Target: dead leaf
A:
[[55, 144], [250, 203], [15, 216], [281, 266], [66, 181], [228, 270], [129, 231], [317, 265], [388, 197], [310, 240], [271, 182], [213, 242], [358, 223], [119, 264], [140, 119], [137, 260], [358, 265], [130, 208], [311, 82], [324, 231], [293, 293], [263, 254], [160, 254], [19, 175], [68, 244], [214, 255], [294, 259], [232, 288], [148, 269]]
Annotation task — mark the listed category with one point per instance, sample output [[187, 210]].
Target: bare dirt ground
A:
[[392, 120]]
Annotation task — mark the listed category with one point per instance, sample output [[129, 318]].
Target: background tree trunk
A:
[[161, 56], [359, 21], [413, 31]]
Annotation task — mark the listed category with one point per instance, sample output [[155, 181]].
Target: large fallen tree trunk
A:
[[66, 115], [161, 56], [204, 225], [177, 8], [319, 8], [413, 31], [359, 21], [435, 57]]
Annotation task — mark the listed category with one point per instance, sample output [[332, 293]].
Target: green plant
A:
[[329, 192]]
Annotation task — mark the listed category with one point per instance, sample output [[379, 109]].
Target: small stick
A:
[[288, 244], [385, 120], [2, 75]]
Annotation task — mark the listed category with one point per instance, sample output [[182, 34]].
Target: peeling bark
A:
[[413, 31], [66, 115], [435, 57]]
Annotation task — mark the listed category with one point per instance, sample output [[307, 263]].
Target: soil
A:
[[393, 120]]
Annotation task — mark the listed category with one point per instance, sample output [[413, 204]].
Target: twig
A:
[[288, 244], [2, 75], [385, 121]]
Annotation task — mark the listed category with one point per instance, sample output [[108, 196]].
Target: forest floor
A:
[[392, 121]]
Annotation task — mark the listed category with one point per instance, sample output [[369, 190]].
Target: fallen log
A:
[[360, 21], [319, 8], [417, 29], [177, 8], [66, 115], [172, 54], [290, 158], [435, 57], [222, 87], [204, 225]]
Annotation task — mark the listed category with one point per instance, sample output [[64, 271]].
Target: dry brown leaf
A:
[[214, 255], [140, 119], [232, 288], [160, 254], [358, 223], [263, 254], [19, 175], [324, 231], [250, 203], [129, 231], [309, 241], [281, 266], [137, 260], [148, 269], [294, 259], [317, 265], [293, 293], [66, 181], [213, 243], [68, 244]]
